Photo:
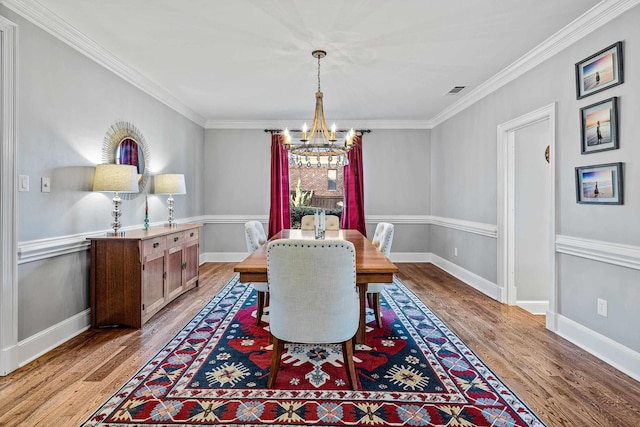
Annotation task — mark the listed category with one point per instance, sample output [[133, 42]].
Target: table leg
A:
[[362, 326]]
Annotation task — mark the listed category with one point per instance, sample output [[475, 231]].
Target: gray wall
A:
[[66, 104], [396, 167], [463, 180]]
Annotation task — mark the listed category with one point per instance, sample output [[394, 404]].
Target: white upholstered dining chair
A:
[[313, 297], [255, 237], [382, 240], [331, 222]]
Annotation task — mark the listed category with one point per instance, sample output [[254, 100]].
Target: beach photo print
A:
[[599, 71], [599, 126], [599, 184]]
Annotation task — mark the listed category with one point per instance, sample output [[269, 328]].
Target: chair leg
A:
[[278, 346], [260, 307], [347, 353], [376, 308], [370, 299]]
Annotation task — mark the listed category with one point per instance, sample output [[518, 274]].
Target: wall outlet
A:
[[602, 307], [455, 251]]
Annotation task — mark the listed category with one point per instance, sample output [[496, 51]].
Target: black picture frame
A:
[[610, 189], [599, 71], [599, 126]]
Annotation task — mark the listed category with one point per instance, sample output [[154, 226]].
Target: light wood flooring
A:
[[562, 384]]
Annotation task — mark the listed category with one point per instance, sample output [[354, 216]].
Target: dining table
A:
[[372, 266]]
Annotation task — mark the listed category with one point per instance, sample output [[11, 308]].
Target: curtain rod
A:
[[272, 131]]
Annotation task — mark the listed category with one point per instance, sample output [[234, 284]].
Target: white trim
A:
[[483, 285], [45, 341], [281, 124], [233, 219], [534, 307], [488, 230], [505, 209], [610, 253], [54, 25], [602, 347], [588, 22], [8, 196]]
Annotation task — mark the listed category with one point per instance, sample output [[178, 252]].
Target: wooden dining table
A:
[[371, 265]]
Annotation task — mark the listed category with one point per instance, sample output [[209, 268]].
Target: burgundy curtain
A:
[[279, 215], [129, 153], [353, 207]]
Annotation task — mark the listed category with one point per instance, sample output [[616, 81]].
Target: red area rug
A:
[[413, 372]]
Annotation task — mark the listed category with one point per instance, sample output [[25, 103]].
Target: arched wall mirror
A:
[[125, 144]]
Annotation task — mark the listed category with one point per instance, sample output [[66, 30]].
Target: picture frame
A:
[[599, 126], [599, 71], [599, 184]]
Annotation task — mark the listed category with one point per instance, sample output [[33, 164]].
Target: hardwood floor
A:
[[562, 384]]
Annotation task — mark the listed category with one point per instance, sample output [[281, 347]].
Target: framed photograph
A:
[[599, 184], [599, 71], [599, 126]]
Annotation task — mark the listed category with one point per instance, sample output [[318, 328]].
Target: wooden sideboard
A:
[[136, 275]]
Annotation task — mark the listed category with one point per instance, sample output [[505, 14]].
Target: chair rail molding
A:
[[487, 230], [607, 252]]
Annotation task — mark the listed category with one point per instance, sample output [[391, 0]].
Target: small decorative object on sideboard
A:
[[170, 183], [134, 277], [146, 214]]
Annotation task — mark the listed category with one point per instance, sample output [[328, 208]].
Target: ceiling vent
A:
[[455, 90]]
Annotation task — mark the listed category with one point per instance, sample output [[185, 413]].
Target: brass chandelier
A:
[[319, 146]]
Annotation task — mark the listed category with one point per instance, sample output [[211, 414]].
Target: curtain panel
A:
[[279, 215], [353, 208]]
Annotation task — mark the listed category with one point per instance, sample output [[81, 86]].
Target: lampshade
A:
[[170, 183], [116, 178]]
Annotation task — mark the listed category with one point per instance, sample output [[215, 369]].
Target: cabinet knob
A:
[[192, 233], [175, 239], [155, 245]]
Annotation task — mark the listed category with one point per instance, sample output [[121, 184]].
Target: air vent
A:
[[455, 90]]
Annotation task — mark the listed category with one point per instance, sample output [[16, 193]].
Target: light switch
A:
[[45, 186], [23, 183]]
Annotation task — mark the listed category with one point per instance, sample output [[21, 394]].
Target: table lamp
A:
[[117, 179], [170, 183]]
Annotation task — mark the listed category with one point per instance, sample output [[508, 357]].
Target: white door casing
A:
[[506, 207]]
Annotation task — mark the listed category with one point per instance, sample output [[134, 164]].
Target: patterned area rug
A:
[[413, 372]]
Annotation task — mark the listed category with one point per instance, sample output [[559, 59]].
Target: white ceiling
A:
[[250, 60]]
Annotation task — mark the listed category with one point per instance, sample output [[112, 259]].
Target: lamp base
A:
[[116, 233]]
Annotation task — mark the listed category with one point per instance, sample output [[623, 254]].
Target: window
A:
[[332, 179]]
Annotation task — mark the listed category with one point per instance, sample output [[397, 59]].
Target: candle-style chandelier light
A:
[[319, 146]]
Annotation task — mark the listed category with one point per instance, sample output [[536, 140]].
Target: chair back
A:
[[254, 235], [306, 223], [313, 293], [331, 222], [383, 237]]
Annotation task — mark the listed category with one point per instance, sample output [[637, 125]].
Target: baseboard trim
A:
[[44, 341], [534, 307], [483, 285], [612, 352]]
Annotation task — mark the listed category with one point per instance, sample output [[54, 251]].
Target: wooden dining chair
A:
[[255, 237], [313, 297], [382, 240]]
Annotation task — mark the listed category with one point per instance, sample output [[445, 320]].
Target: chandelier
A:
[[319, 146]]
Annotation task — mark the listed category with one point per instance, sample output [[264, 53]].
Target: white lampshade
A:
[[116, 178], [170, 183]]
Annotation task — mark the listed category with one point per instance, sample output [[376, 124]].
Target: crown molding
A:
[[585, 24], [60, 29], [281, 124]]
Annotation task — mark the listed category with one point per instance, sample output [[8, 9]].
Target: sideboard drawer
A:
[[155, 245], [175, 239]]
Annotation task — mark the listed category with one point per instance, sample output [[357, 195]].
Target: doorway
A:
[[526, 212]]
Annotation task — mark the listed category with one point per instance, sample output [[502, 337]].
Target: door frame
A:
[[506, 206], [8, 198]]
